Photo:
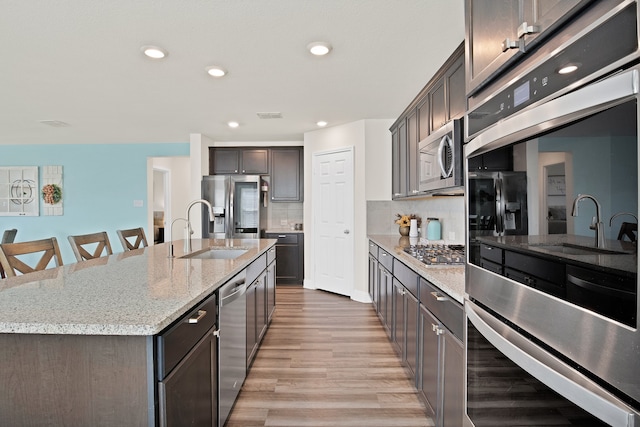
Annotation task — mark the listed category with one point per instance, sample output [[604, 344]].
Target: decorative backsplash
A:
[[381, 216]]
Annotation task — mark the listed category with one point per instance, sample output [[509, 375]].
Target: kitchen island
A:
[[77, 342]]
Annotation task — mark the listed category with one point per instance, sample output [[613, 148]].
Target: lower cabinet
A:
[[290, 254], [187, 369], [271, 283], [441, 381], [256, 306], [426, 329]]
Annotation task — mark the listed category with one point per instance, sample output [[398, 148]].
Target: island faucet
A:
[[596, 222], [187, 243]]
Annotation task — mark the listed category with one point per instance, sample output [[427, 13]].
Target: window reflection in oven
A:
[[500, 393]]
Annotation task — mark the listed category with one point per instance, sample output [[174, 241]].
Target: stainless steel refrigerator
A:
[[236, 206]]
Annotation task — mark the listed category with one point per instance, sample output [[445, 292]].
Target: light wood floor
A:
[[326, 361]]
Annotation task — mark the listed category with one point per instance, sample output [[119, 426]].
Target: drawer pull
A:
[[439, 297], [198, 317], [282, 236]]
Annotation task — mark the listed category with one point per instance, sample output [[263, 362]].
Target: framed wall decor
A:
[[19, 194]]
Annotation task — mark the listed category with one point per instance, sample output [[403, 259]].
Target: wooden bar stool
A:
[[82, 244], [132, 238], [11, 264], [7, 237]]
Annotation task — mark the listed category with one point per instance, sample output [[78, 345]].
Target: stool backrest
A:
[[132, 238], [11, 264], [82, 244]]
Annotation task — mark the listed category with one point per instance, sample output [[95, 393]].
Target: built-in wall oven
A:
[[551, 308]]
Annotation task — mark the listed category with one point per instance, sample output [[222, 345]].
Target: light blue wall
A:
[[100, 183]]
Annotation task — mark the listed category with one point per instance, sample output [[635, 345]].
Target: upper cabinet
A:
[[499, 31], [247, 161], [283, 164], [441, 100], [287, 175]]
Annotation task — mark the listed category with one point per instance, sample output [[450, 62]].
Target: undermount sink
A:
[[571, 249], [217, 253]]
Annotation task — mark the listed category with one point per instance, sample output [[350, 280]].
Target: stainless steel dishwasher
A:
[[233, 342]]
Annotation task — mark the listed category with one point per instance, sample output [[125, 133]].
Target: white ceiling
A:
[[79, 62]]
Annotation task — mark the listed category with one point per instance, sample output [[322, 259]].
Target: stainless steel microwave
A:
[[441, 159]]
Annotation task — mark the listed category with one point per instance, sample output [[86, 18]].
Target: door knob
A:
[[346, 231]]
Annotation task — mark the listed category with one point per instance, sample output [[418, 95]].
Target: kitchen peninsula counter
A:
[[449, 278], [136, 293]]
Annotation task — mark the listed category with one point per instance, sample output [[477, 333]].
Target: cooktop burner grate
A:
[[437, 254]]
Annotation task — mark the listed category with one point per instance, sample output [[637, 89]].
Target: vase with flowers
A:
[[404, 221]]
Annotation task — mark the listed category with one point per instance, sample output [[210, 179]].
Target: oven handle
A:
[[499, 206], [557, 375]]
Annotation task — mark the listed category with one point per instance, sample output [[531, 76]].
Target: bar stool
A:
[[99, 241], [9, 253], [128, 241], [7, 237]]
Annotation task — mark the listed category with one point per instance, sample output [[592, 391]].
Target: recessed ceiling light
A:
[[319, 48], [154, 52], [233, 124], [569, 68], [216, 71], [322, 123]]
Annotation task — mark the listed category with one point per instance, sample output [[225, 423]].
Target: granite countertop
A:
[[550, 247], [449, 278], [138, 292]]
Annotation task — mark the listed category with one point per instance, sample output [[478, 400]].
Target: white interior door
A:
[[333, 211]]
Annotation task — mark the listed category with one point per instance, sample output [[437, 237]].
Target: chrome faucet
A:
[[596, 222], [187, 243], [171, 235]]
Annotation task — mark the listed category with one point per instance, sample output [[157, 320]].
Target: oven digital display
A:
[[521, 94]]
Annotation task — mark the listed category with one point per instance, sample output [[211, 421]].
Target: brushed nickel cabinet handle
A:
[[195, 319]]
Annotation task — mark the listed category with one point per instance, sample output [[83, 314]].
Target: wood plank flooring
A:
[[326, 361]]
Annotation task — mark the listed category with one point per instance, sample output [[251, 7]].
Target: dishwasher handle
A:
[[233, 289]]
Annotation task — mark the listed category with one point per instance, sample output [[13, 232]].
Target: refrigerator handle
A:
[[499, 207]]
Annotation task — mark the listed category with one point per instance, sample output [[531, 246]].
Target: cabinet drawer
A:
[[447, 310], [256, 268], [406, 276], [284, 238], [385, 259], [175, 342], [271, 255], [547, 270], [373, 249], [491, 253]]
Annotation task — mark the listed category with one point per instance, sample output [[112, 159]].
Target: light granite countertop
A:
[[449, 278], [138, 292]]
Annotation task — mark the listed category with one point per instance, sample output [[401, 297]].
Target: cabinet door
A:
[[411, 336], [429, 358], [412, 154], [288, 263], [224, 161], [252, 334], [423, 119], [286, 175], [398, 323], [456, 93], [255, 161], [399, 161], [541, 16], [373, 281], [261, 306], [271, 289], [188, 396], [386, 291], [437, 105], [490, 23], [453, 381]]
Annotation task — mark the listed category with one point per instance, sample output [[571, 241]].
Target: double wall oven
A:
[[551, 308]]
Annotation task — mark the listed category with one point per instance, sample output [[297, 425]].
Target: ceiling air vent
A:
[[269, 115], [55, 123]]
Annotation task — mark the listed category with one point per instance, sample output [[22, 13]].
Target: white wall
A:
[[364, 136]]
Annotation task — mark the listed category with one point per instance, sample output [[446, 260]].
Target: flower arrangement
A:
[[51, 194], [405, 220]]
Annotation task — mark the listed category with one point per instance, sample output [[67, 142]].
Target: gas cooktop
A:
[[437, 254]]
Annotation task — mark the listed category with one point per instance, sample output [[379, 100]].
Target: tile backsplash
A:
[[282, 215], [381, 216]]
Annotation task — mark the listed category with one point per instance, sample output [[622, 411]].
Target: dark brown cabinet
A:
[[442, 100], [290, 255], [246, 161], [498, 31], [287, 175]]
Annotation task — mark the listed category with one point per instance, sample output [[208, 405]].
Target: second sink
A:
[[217, 253]]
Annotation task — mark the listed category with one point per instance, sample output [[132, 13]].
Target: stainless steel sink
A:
[[572, 249], [217, 253]]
